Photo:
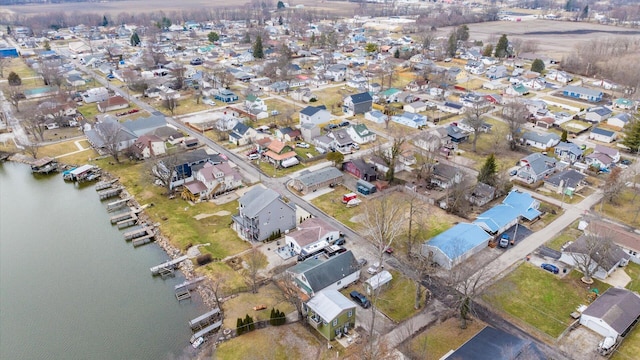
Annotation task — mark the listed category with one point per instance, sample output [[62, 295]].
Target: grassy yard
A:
[[574, 199], [539, 298], [89, 111], [18, 66], [78, 158], [633, 270], [293, 341], [492, 142], [60, 148], [63, 133], [630, 348], [243, 304], [561, 100], [331, 203], [437, 340], [624, 210], [570, 233], [396, 300], [177, 217], [332, 98]]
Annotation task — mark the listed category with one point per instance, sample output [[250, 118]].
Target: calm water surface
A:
[[71, 287]]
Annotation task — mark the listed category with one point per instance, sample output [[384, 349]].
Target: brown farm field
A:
[[141, 6], [555, 38]]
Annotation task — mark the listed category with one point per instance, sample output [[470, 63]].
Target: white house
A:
[[613, 313], [410, 119], [315, 274], [360, 134], [376, 116], [559, 76], [310, 236], [314, 114], [415, 107], [619, 120], [598, 114], [602, 135], [540, 141], [95, 95]]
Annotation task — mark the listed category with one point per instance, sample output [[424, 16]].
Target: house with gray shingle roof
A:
[[613, 313], [314, 274], [310, 181], [535, 167], [263, 212], [620, 120], [314, 114], [568, 152], [598, 114], [540, 141], [567, 179]]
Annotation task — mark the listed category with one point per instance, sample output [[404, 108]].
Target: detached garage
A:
[[613, 313]]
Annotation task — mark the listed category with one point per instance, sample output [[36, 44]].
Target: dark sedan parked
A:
[[360, 299], [550, 268]]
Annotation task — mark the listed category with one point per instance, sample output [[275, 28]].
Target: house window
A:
[[335, 322], [350, 313]]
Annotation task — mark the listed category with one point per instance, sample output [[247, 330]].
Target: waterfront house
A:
[[318, 274], [147, 146], [331, 314], [311, 235], [263, 213]]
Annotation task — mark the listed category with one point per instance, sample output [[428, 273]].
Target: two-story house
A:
[[242, 134], [331, 314], [314, 114], [342, 142], [357, 104], [147, 146], [263, 213], [602, 157], [445, 175]]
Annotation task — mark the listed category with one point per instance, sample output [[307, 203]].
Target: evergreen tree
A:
[[488, 50], [135, 39], [462, 33], [14, 79], [502, 46], [488, 171], [563, 137], [213, 37], [280, 5], [247, 38], [537, 65], [8, 30], [585, 12], [239, 326], [371, 48], [105, 22], [272, 317], [46, 45], [248, 323], [258, 52], [452, 44], [313, 39], [280, 21], [396, 54], [632, 135]]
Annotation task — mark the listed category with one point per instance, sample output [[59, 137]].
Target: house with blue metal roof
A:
[[598, 114], [500, 218], [602, 135], [524, 204], [455, 245]]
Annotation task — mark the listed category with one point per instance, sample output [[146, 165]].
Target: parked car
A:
[[513, 172], [196, 61], [551, 268], [253, 156], [344, 123], [373, 269], [504, 241], [360, 299], [362, 262], [303, 145], [321, 150], [625, 162], [330, 127], [389, 250], [208, 101], [341, 241], [355, 146]]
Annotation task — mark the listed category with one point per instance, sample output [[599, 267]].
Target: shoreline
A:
[[187, 268]]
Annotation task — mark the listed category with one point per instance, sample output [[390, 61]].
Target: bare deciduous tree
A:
[[589, 251], [163, 170], [473, 117], [254, 261], [34, 121], [290, 292], [15, 95], [467, 282], [4, 63], [389, 155], [515, 114], [613, 186]]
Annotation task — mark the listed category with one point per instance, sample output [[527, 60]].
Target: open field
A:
[[139, 6], [623, 210], [555, 38], [539, 298]]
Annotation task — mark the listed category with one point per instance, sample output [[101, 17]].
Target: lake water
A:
[[71, 287]]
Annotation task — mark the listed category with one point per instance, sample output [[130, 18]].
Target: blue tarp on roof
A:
[[458, 240]]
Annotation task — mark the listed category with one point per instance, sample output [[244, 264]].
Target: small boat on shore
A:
[[198, 342]]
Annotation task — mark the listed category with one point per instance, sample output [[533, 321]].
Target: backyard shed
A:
[[377, 281]]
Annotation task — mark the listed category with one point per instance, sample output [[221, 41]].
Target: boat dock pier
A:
[[145, 239], [44, 165], [123, 216], [169, 265], [206, 331], [102, 185], [138, 233], [183, 290], [204, 319], [117, 204], [105, 194]]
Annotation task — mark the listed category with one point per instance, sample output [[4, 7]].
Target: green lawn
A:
[[570, 233], [89, 111], [331, 203], [60, 148], [539, 298], [633, 270], [630, 348], [622, 210], [437, 340]]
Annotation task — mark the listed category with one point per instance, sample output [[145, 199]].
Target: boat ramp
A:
[[168, 266]]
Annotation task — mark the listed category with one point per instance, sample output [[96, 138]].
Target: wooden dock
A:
[[109, 193], [204, 319], [183, 294], [206, 331], [128, 222], [138, 233], [171, 264], [190, 284], [143, 239], [102, 185], [125, 216], [117, 204]]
